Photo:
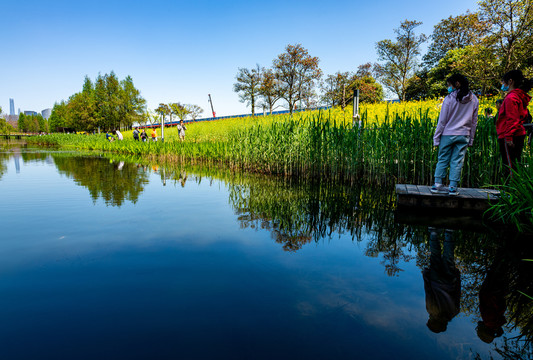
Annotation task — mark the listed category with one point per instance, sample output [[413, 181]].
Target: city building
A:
[[29, 112], [46, 113], [11, 107]]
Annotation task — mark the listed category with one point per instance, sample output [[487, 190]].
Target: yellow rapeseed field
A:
[[373, 114]]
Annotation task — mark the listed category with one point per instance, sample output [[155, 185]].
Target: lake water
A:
[[107, 258]]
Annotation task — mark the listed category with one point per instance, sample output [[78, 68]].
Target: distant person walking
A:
[[181, 130], [455, 132], [144, 136], [512, 114], [136, 134], [154, 135]]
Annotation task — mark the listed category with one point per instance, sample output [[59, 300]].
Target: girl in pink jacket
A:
[[455, 132]]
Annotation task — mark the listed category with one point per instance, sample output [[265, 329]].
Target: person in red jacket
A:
[[513, 112]]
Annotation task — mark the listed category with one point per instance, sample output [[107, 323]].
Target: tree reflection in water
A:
[[493, 274], [113, 181], [4, 157]]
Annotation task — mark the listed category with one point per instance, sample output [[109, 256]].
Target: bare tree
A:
[[194, 111], [247, 85], [164, 110], [269, 90]]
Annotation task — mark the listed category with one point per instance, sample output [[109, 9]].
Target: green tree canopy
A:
[[338, 89], [58, 117], [455, 32], [106, 103], [510, 34]]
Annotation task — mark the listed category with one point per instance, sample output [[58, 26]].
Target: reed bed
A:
[[400, 149], [318, 144]]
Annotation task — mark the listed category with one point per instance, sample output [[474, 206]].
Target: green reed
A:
[[319, 145]]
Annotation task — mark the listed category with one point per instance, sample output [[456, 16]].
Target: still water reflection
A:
[[109, 257]]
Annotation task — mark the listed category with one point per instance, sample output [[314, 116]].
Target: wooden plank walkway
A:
[[420, 196]]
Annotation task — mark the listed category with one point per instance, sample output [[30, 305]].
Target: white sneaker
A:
[[439, 189]]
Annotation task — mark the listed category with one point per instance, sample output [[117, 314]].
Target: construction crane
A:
[[211, 102]]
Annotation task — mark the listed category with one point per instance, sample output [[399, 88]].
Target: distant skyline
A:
[[179, 51]]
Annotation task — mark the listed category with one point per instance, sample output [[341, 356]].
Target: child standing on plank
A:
[[455, 132]]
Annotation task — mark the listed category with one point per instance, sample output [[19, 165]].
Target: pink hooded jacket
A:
[[457, 117]]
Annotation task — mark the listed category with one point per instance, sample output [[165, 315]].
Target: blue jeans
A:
[[452, 151]]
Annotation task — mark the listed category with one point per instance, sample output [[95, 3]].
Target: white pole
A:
[[162, 126], [356, 117]]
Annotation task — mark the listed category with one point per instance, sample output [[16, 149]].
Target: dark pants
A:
[[511, 154]]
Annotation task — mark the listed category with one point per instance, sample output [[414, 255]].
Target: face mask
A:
[[450, 89], [505, 87]]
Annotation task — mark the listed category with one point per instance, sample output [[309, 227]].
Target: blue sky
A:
[[179, 51]]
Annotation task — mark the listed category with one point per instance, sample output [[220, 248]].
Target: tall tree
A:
[[43, 124], [132, 104], [100, 99], [399, 57], [81, 108], [21, 122], [510, 32], [296, 72], [453, 33], [269, 90], [113, 101], [247, 85], [58, 117]]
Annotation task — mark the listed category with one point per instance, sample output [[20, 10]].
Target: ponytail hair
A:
[[464, 89], [519, 80]]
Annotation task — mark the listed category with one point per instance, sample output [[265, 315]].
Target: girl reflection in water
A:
[[492, 304], [442, 282]]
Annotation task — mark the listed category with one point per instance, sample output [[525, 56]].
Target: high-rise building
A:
[[46, 113], [11, 107], [30, 112]]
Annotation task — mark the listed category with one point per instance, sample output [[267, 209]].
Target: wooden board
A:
[[420, 196]]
